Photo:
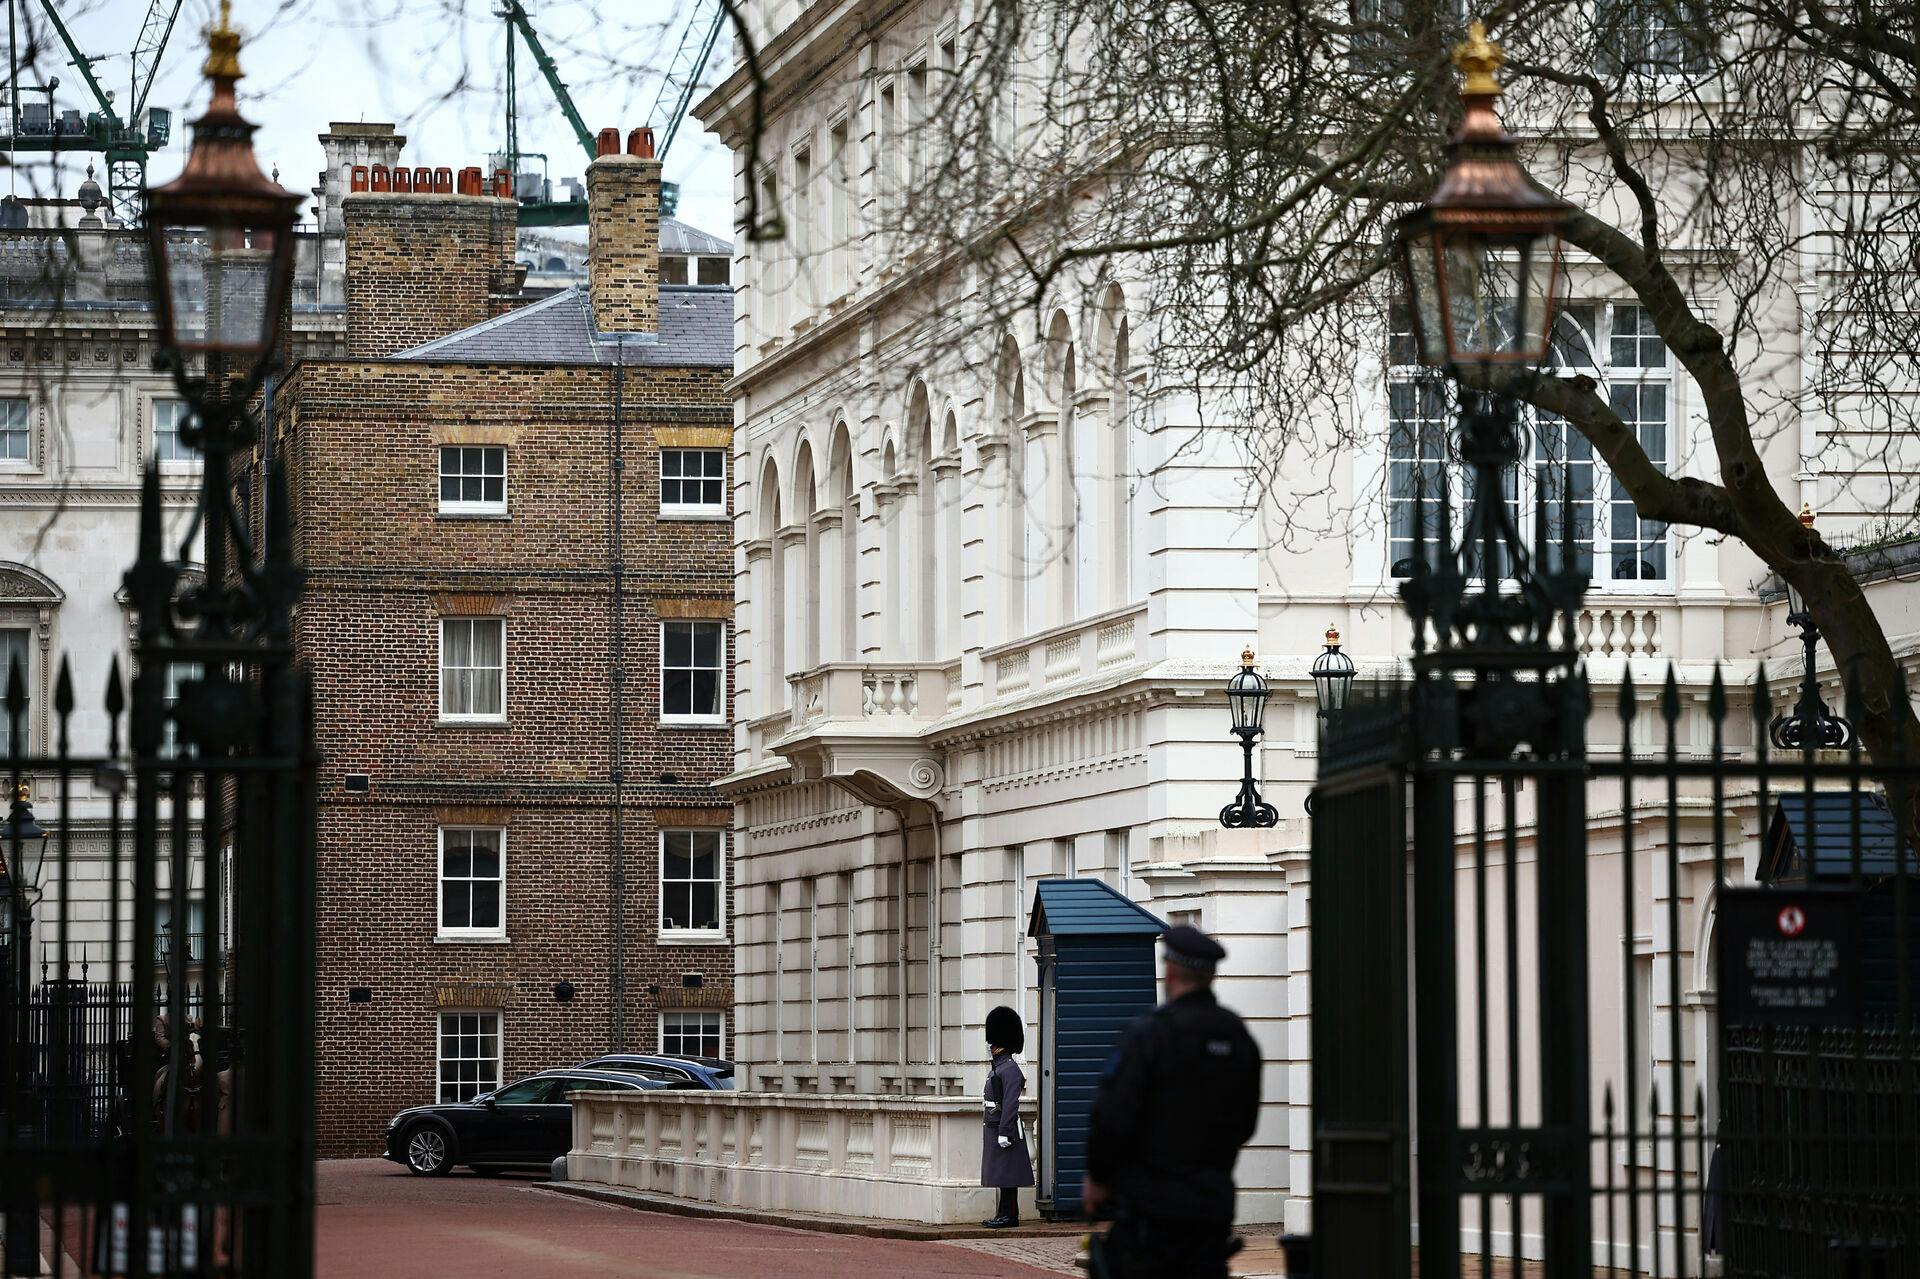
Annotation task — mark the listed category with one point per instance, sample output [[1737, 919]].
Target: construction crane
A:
[[670, 104], [125, 140]]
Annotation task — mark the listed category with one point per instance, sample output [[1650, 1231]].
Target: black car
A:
[[698, 1074], [527, 1124]]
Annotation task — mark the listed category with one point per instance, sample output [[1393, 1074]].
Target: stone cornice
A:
[[760, 548]]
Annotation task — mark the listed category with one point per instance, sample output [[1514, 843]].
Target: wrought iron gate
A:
[[158, 999], [1662, 956]]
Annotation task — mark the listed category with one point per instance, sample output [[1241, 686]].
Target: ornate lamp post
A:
[[220, 250], [1332, 676], [1810, 726], [1480, 261], [1247, 703], [23, 845]]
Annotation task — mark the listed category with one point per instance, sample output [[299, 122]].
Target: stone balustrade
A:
[[1065, 654], [881, 694], [881, 1157]]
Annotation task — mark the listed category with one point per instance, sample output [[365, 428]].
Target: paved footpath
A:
[[377, 1221]]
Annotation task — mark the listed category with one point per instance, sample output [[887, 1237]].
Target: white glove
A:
[[1004, 1143]]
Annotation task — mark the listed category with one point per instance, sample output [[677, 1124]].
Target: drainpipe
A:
[[617, 982]]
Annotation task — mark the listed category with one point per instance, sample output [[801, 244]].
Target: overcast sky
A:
[[435, 68]]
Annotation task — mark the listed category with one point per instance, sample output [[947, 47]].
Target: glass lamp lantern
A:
[[220, 239], [1247, 697], [1333, 673], [1480, 259], [23, 847]]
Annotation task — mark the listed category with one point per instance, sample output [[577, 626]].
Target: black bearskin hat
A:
[[1005, 1031]]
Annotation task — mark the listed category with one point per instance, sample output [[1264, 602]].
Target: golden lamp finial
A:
[[223, 47], [1479, 60], [1806, 515], [1333, 637], [1246, 659]]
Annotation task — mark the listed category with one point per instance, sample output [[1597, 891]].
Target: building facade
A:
[[83, 415], [993, 571], [515, 517]]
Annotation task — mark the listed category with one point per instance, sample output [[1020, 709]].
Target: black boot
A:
[[1009, 1213]]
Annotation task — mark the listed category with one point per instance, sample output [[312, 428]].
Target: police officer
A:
[[1179, 1097]]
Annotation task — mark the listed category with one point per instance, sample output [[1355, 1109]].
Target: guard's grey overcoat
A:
[[1012, 1166]]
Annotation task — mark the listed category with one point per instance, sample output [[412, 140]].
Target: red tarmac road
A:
[[377, 1221]]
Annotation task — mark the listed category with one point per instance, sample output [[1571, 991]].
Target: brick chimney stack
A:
[[421, 265], [623, 235]]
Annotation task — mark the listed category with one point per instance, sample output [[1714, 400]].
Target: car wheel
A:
[[429, 1151]]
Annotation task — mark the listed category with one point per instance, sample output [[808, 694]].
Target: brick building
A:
[[514, 516]]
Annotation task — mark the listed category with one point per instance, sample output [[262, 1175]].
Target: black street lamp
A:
[[1332, 676], [1247, 703], [23, 852], [1810, 726], [23, 846]]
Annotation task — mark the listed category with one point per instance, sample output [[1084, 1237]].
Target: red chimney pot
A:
[[640, 143], [381, 180], [359, 180], [402, 179], [608, 143]]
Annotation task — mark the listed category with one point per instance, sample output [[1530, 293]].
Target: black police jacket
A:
[[1179, 1097]]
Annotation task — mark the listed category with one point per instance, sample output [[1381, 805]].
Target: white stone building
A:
[[83, 413], [993, 579]]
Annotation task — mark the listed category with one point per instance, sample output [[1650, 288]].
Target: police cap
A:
[[1191, 948]]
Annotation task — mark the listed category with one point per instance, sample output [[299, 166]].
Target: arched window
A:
[[952, 549], [805, 500], [1076, 487], [1023, 496], [918, 544], [1120, 502], [772, 594], [840, 549]]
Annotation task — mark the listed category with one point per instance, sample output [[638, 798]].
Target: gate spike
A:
[[1670, 699], [1627, 698], [63, 688], [116, 702], [1717, 696], [1762, 700]]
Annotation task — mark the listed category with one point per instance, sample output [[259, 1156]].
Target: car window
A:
[[573, 1084], [528, 1092]]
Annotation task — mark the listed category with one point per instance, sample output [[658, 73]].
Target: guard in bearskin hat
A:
[[1004, 1162]]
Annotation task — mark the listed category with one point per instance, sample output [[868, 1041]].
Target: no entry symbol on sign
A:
[[1793, 921]]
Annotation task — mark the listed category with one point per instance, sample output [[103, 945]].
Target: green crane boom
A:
[[82, 61], [516, 13]]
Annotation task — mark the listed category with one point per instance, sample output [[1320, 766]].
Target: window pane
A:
[[488, 640], [670, 460], [679, 644], [676, 696], [706, 693], [706, 906], [456, 904], [706, 645], [486, 903]]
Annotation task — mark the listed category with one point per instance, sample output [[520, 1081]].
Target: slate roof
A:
[[696, 330], [677, 237], [1087, 908], [1811, 837]]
